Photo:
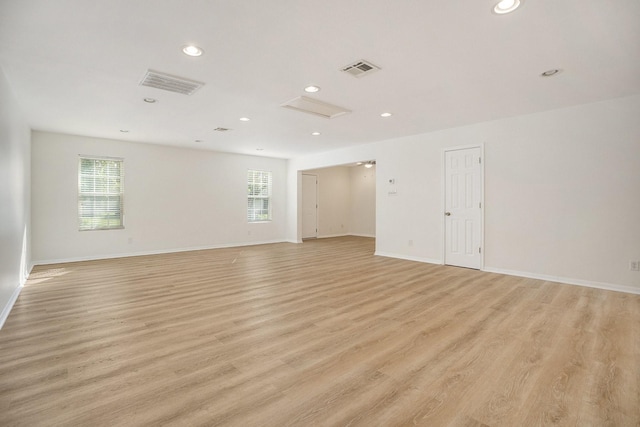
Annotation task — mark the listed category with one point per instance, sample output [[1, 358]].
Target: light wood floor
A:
[[322, 333]]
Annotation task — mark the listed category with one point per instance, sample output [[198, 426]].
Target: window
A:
[[258, 196], [100, 196]]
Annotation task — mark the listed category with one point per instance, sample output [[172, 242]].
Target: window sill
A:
[[101, 229]]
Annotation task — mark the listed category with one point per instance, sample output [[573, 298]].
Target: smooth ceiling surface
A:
[[75, 65]]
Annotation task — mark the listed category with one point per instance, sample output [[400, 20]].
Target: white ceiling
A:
[[75, 65]]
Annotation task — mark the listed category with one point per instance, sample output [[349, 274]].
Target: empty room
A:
[[304, 213]]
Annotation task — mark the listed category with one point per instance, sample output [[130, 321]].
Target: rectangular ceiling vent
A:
[[171, 83], [313, 106], [360, 68]]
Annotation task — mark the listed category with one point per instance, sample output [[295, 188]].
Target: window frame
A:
[[251, 180], [95, 218]]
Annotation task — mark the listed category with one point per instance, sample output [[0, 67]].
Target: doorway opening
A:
[[339, 201]]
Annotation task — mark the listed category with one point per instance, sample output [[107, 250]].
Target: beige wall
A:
[[363, 201], [346, 201]]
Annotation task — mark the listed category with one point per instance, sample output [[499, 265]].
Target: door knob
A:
[[447, 214]]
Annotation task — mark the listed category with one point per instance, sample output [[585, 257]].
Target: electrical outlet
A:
[[634, 265]]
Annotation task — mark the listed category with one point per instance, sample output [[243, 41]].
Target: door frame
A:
[[443, 199]]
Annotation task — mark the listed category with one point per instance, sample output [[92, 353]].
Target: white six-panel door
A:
[[463, 209]]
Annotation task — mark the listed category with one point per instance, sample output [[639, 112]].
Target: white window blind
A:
[[100, 193], [258, 196]]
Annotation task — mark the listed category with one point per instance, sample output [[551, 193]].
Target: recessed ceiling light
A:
[[550, 73], [150, 100], [315, 133], [244, 119], [192, 50], [312, 89], [386, 115], [506, 6]]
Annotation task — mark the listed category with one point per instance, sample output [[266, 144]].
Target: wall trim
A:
[[528, 275], [155, 252], [328, 236], [363, 235], [7, 308], [4, 315], [408, 258], [567, 280]]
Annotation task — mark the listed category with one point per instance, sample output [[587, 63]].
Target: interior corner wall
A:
[[334, 201], [174, 199], [15, 145], [561, 193], [346, 201]]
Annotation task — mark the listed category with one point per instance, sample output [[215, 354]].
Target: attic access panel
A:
[[316, 107]]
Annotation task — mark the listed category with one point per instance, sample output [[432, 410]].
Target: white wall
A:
[[15, 257], [363, 201], [175, 199], [562, 195]]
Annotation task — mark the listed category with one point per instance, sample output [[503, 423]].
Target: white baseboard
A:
[[566, 280], [7, 308], [156, 252], [328, 236], [363, 235], [408, 258], [31, 265]]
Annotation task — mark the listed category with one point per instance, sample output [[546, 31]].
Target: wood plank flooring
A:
[[322, 333]]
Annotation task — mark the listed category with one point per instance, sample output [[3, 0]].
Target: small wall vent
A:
[[360, 68], [170, 83]]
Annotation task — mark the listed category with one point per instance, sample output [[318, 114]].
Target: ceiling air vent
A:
[[221, 129], [171, 83], [313, 106], [360, 68]]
